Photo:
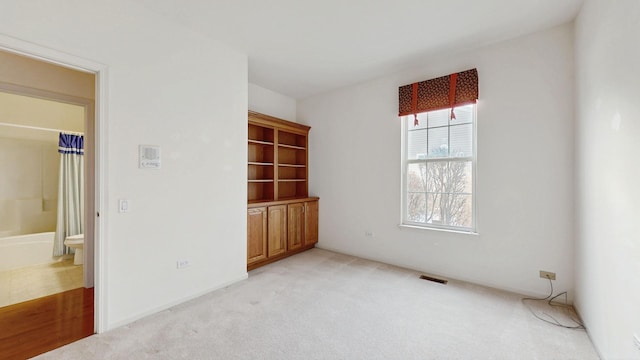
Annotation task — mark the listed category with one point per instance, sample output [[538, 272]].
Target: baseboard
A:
[[171, 304], [576, 307], [518, 291]]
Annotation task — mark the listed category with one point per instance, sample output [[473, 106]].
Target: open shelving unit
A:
[[277, 163], [260, 163]]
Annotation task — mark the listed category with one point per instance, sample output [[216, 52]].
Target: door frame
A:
[[99, 110]]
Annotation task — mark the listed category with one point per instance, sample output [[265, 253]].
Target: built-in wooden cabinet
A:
[[295, 228], [256, 234], [277, 230], [282, 218], [310, 222]]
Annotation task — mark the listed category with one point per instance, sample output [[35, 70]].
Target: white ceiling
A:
[[300, 48]]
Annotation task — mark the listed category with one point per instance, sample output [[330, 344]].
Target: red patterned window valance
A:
[[439, 93]]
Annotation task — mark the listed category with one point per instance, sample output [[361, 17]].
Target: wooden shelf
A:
[[277, 158], [292, 147], [258, 142], [260, 201]]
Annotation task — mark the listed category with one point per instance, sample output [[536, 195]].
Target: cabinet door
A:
[[311, 222], [277, 230], [256, 234], [295, 233]]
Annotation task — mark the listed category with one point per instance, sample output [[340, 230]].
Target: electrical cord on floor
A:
[[549, 298]]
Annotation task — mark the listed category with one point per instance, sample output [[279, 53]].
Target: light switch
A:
[[123, 206]]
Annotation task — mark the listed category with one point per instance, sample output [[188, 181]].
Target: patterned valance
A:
[[440, 93]]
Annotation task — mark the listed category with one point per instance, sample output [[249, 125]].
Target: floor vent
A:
[[431, 278]]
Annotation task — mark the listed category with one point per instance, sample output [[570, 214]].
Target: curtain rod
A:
[[42, 128]]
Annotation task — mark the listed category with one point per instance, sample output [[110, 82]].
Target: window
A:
[[438, 162]]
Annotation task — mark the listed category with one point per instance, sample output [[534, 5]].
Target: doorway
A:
[[30, 170], [61, 93], [35, 79]]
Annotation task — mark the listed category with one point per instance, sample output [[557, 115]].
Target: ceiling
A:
[[301, 48]]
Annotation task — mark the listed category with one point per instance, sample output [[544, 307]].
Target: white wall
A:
[[608, 206], [269, 102], [37, 119], [524, 184], [29, 192], [170, 87]]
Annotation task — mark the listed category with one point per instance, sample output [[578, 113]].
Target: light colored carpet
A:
[[324, 305]]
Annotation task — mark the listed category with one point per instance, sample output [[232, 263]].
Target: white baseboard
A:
[[157, 309]]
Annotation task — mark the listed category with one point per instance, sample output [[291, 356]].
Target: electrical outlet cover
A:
[[547, 275], [181, 264]]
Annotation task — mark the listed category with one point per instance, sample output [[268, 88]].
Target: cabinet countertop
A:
[[260, 203]]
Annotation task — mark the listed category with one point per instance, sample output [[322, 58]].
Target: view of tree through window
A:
[[439, 172]]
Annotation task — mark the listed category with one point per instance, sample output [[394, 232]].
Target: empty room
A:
[[325, 180]]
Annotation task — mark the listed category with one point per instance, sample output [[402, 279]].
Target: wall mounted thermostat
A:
[[149, 156]]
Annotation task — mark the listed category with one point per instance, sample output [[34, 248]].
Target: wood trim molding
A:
[[45, 94], [263, 119]]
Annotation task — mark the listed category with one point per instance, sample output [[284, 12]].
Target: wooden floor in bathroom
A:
[[34, 327]]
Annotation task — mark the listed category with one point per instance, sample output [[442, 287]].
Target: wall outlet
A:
[[547, 275], [368, 233], [181, 264], [636, 341]]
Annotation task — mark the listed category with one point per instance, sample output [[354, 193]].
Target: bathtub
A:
[[26, 250]]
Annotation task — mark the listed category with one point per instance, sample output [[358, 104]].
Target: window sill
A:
[[470, 232]]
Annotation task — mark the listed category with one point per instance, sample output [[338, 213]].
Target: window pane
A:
[[461, 140], [417, 144], [416, 207], [422, 121], [449, 199], [449, 177], [439, 142], [433, 209], [454, 210], [416, 177], [439, 117], [449, 210], [465, 171], [464, 114]]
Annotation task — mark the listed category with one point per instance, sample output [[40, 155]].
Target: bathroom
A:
[[29, 192]]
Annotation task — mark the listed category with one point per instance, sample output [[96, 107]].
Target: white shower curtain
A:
[[70, 191]]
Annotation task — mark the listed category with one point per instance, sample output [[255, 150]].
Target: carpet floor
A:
[[324, 305]]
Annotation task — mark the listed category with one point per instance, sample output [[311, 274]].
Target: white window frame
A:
[[404, 222]]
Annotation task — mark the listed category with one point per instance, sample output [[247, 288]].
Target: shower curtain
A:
[[70, 191]]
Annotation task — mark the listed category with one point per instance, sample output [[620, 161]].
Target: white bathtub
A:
[[26, 250]]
